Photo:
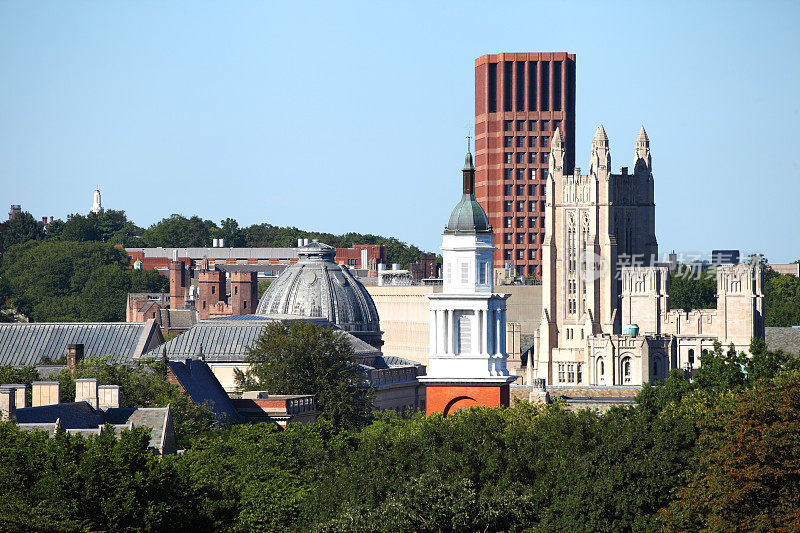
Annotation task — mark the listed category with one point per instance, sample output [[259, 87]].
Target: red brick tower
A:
[[177, 284], [244, 293], [519, 101], [210, 292]]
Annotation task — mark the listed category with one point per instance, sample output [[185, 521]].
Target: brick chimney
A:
[[177, 284], [108, 396], [8, 408], [86, 391], [46, 393], [74, 356]]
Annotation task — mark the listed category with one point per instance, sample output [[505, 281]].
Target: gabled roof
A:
[[155, 418], [73, 415], [23, 344], [203, 387]]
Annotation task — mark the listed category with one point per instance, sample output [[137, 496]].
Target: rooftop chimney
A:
[[86, 391], [108, 396], [46, 393], [21, 393], [74, 356], [8, 408]]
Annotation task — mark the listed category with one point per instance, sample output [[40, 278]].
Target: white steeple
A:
[[97, 206], [468, 321], [601, 155]]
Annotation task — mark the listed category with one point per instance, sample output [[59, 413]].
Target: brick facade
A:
[[447, 399], [519, 101]]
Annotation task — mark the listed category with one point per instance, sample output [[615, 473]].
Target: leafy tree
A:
[[299, 357], [21, 229], [54, 229], [80, 228], [720, 371], [109, 223], [179, 231], [781, 299], [748, 475], [229, 230], [60, 280], [692, 290], [263, 285]]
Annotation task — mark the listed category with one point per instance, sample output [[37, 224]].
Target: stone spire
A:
[[601, 155], [642, 161], [97, 206], [556, 152]]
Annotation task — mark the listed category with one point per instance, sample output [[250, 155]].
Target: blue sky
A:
[[352, 116]]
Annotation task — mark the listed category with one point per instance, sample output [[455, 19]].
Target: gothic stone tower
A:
[[467, 360], [594, 223]]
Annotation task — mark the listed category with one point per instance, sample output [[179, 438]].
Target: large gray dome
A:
[[318, 287]]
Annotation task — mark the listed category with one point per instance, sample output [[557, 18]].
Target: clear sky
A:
[[352, 116]]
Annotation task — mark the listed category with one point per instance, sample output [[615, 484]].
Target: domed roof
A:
[[468, 216], [316, 286]]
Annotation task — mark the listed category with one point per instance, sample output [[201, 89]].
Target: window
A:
[[507, 125], [579, 373], [531, 206], [204, 304], [449, 272], [543, 157], [520, 190], [507, 190], [520, 254], [507, 255], [571, 373], [245, 304], [532, 255], [542, 205], [532, 221], [507, 206], [507, 222], [506, 238], [520, 205], [520, 125], [509, 157], [464, 334], [626, 370], [509, 173], [520, 157], [602, 368], [213, 290], [520, 238], [482, 268], [520, 142], [544, 142], [464, 272], [561, 374], [509, 142], [531, 125], [532, 270], [556, 125], [236, 290], [520, 173], [532, 237], [691, 357], [532, 188], [545, 125], [544, 190], [532, 159], [532, 142], [520, 222]]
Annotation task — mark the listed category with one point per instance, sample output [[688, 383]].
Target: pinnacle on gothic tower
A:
[[642, 160], [558, 141], [556, 159], [601, 156], [600, 134]]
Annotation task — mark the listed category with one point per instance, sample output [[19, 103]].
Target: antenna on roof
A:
[[469, 136]]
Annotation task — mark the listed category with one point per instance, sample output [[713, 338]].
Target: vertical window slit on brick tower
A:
[[544, 83], [492, 87], [508, 74], [520, 86], [532, 86], [556, 86]]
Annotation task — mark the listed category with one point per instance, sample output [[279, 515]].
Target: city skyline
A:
[[191, 109]]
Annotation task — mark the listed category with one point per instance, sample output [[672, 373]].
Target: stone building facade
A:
[[606, 317]]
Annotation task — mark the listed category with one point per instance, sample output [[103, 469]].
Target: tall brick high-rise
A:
[[519, 101]]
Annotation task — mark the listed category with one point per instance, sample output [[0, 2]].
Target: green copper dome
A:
[[468, 216]]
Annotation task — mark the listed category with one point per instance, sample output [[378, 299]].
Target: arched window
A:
[[600, 370], [691, 357], [626, 370]]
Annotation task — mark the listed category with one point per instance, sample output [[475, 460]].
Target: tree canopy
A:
[[300, 357]]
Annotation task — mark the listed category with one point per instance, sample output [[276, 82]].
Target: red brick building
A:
[[362, 256], [520, 99]]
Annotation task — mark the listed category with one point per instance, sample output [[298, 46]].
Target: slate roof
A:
[[24, 344], [73, 415], [203, 387], [227, 341], [179, 318], [155, 418], [786, 339]]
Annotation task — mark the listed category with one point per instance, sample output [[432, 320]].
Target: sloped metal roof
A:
[[203, 387], [23, 344]]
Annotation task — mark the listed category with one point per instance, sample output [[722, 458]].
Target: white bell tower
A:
[[467, 358]]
